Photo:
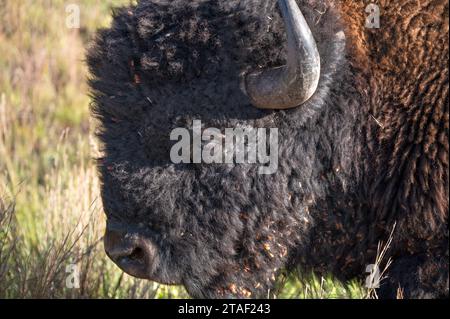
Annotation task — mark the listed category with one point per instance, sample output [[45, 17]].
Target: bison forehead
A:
[[183, 40], [201, 38], [163, 63]]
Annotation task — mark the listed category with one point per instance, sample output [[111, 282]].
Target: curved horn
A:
[[293, 84]]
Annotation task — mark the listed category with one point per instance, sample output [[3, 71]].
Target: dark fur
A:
[[369, 150]]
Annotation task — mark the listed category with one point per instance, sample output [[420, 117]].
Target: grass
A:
[[50, 213]]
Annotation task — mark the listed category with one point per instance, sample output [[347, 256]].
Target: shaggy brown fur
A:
[[406, 86]]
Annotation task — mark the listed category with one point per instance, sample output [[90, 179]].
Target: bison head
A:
[[219, 229]]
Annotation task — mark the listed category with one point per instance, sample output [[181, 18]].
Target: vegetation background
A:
[[50, 212]]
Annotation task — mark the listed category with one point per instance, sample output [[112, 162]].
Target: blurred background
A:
[[51, 218]]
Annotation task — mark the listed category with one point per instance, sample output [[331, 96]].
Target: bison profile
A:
[[362, 116]]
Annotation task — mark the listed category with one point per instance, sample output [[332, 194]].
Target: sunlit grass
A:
[[50, 211]]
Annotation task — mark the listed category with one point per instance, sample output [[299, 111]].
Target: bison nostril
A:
[[126, 253], [130, 250], [137, 255]]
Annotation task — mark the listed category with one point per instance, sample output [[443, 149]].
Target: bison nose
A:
[[130, 250]]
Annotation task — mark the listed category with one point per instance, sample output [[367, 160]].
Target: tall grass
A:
[[50, 213]]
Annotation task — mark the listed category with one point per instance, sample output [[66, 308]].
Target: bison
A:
[[362, 118]]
